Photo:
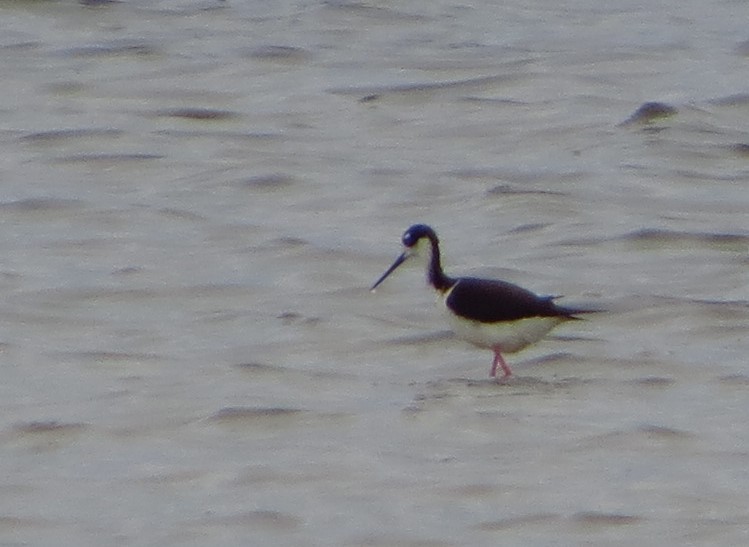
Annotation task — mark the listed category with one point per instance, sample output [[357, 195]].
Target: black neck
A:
[[436, 276]]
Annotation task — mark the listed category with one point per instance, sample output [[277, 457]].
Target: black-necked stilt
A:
[[489, 313]]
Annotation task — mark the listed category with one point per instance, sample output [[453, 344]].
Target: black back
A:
[[491, 301]]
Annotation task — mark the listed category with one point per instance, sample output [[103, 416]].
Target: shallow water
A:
[[197, 196]]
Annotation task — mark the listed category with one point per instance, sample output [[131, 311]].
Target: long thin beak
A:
[[398, 261]]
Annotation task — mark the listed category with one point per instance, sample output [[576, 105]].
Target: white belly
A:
[[508, 336]]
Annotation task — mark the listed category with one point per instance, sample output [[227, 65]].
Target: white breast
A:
[[508, 336]]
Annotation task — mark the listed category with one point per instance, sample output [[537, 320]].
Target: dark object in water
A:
[[649, 112]]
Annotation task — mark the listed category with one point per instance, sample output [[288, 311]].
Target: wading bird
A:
[[488, 313]]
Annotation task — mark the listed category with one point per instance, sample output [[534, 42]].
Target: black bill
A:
[[398, 261]]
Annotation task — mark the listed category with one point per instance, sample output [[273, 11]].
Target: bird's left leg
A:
[[499, 361]]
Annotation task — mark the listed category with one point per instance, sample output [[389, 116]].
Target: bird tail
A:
[[572, 313]]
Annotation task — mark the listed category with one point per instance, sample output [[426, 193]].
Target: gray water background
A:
[[196, 196]]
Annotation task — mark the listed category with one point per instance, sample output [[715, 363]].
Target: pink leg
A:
[[499, 360]]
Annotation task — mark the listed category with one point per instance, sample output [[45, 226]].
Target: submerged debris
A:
[[649, 112]]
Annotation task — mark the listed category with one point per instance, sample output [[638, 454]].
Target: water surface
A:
[[196, 197]]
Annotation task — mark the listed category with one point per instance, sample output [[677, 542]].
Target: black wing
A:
[[491, 301]]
